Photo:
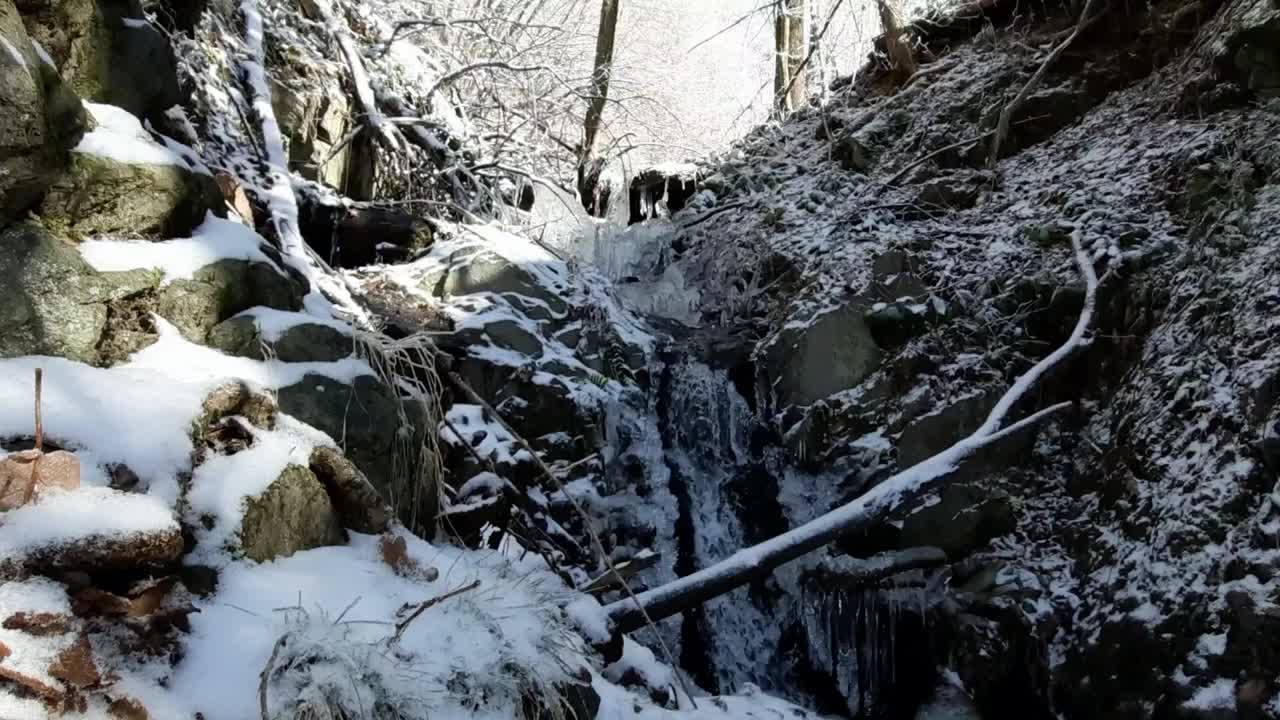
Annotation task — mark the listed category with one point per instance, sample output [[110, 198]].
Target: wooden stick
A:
[[265, 677], [422, 607], [35, 464], [39, 422]]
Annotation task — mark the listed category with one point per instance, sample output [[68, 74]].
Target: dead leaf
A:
[[4, 651], [75, 665], [146, 598], [91, 601], [33, 686], [39, 624], [235, 196], [126, 708], [395, 553], [59, 469]]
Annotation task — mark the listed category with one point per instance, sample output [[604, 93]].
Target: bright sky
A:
[[701, 99]]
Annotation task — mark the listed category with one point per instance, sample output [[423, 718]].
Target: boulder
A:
[[223, 289], [964, 519], [479, 271], [1256, 53], [308, 342], [98, 47], [834, 351], [362, 417], [40, 119], [98, 195], [292, 515], [55, 304]]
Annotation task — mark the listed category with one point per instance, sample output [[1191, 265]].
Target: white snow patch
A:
[[120, 136], [216, 239], [59, 518]]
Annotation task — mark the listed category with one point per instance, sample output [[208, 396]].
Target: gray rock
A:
[[293, 514], [40, 121], [308, 342], [835, 352], [99, 47], [509, 334], [487, 271], [54, 303], [965, 519], [223, 289], [98, 195], [361, 417]]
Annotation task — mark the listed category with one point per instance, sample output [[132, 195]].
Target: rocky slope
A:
[[262, 442]]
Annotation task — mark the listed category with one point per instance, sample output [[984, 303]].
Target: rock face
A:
[[833, 352], [362, 417], [293, 514], [55, 303], [99, 46], [40, 119], [103, 196]]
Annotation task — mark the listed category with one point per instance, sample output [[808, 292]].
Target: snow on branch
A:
[[630, 614], [328, 296]]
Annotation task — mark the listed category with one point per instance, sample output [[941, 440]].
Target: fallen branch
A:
[[624, 570], [383, 130], [264, 678], [426, 604], [866, 511], [1006, 115], [854, 572]]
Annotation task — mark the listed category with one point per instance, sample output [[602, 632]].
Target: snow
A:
[[31, 656], [119, 136], [220, 486], [273, 324], [138, 413], [14, 54], [215, 239], [470, 649], [279, 191], [87, 514], [42, 53], [1220, 695]]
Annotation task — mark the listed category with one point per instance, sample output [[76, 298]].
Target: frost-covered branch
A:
[[849, 572], [866, 511]]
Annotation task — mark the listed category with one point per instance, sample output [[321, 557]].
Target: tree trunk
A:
[[790, 47], [866, 511], [588, 166]]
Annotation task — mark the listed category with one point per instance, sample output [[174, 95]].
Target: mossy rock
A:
[[54, 302], [40, 120], [292, 515], [102, 196], [223, 289], [98, 46]]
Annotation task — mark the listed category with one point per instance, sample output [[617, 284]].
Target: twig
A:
[[707, 216], [35, 464], [424, 605], [1002, 127], [39, 421], [903, 172], [265, 676], [586, 519]]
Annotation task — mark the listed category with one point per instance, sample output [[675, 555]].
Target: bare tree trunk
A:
[[865, 512], [588, 165], [790, 50]]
